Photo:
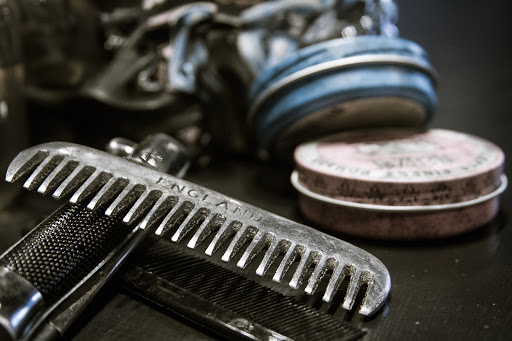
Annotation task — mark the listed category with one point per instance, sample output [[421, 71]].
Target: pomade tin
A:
[[399, 183]]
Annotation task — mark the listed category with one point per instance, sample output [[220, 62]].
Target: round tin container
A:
[[399, 183], [341, 84]]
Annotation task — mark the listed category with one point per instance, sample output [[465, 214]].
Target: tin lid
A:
[[340, 84], [400, 167]]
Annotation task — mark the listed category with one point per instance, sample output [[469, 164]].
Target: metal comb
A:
[[113, 185]]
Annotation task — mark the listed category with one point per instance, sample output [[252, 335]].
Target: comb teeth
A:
[[196, 216], [73, 181], [221, 236], [161, 207], [336, 279], [130, 193], [22, 167], [107, 193], [238, 241], [41, 172], [167, 219], [188, 211], [289, 257], [316, 276], [142, 205], [269, 258], [257, 244], [96, 180], [52, 181], [204, 230], [353, 288]]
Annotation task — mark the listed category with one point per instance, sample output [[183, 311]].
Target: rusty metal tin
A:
[[399, 183]]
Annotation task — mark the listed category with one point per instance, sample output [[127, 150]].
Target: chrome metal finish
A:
[[163, 153], [247, 230], [158, 151], [20, 303], [121, 147]]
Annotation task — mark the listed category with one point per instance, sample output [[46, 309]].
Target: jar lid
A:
[[400, 166], [399, 171], [340, 84]]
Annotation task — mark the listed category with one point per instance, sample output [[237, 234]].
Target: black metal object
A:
[[52, 262], [51, 275], [64, 248]]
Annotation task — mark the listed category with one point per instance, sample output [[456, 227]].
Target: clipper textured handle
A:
[[63, 249]]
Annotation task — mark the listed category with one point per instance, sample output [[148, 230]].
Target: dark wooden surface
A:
[[449, 289]]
